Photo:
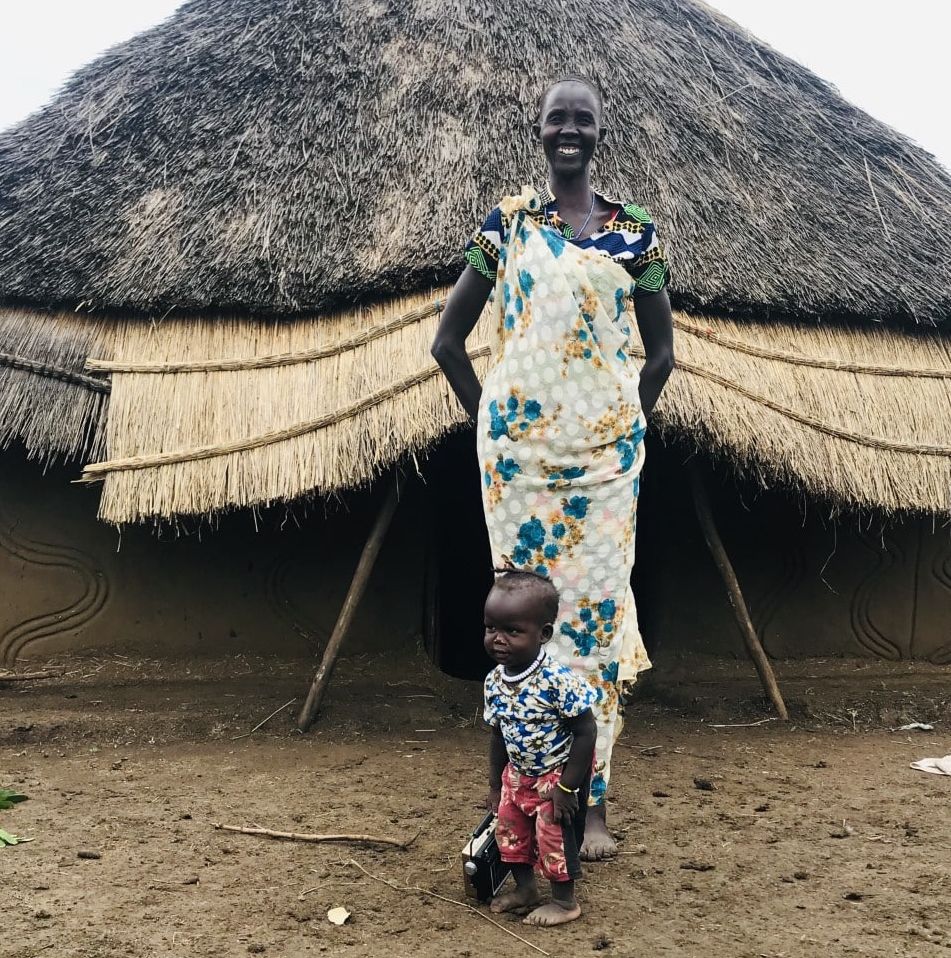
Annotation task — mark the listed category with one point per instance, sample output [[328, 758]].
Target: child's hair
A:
[[516, 580], [572, 78]]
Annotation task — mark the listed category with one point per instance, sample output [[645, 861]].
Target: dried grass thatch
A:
[[851, 416], [283, 156], [254, 159], [47, 402], [242, 412], [270, 410]]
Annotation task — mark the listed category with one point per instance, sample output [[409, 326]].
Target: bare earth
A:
[[816, 840]]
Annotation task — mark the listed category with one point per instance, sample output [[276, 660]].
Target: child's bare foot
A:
[[554, 913], [598, 842], [519, 900]]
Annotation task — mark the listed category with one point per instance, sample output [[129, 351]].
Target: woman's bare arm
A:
[[462, 312], [656, 326]]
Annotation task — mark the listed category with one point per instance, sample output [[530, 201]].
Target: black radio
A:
[[483, 871]]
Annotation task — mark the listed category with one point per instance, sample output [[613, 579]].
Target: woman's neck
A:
[[572, 192]]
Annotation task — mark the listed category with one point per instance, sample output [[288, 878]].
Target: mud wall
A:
[[274, 584], [815, 586], [266, 585]]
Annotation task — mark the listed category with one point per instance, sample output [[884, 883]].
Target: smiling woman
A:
[[563, 410]]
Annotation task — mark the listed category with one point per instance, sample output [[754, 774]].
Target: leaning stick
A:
[[357, 587], [701, 503], [28, 676], [315, 838]]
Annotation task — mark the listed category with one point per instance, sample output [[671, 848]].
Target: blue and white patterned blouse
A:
[[628, 236], [531, 714]]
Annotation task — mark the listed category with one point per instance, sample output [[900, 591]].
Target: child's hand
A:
[[492, 800], [564, 806]]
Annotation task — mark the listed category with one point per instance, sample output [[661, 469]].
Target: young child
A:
[[543, 734]]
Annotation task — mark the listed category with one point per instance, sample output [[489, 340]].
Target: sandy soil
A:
[[818, 840]]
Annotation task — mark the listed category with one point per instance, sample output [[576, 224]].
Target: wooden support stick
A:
[[357, 587], [28, 676], [314, 838], [701, 503]]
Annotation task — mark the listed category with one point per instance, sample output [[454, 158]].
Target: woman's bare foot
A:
[[521, 899], [598, 841], [554, 914]]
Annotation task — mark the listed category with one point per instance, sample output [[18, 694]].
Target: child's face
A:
[[515, 627]]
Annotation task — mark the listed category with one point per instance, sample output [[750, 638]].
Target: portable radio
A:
[[483, 871]]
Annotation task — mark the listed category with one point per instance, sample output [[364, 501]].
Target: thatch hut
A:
[[223, 249]]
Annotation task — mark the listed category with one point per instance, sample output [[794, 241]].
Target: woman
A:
[[562, 413]]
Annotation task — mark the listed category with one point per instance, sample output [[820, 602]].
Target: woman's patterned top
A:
[[629, 237]]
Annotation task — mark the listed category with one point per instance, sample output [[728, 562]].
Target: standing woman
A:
[[562, 413]]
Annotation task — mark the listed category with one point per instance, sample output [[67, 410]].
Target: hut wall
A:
[[815, 586], [69, 582]]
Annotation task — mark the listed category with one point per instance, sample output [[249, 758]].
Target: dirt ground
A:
[[817, 840]]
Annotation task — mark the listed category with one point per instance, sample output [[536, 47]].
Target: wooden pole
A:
[[701, 502], [30, 676], [357, 587]]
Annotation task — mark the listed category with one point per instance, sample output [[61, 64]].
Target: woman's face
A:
[[569, 127]]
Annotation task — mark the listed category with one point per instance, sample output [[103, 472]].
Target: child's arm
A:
[[584, 731], [497, 760]]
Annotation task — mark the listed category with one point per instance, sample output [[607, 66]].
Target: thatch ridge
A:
[[855, 417], [252, 435], [282, 156], [868, 439]]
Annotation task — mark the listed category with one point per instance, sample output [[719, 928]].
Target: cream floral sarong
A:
[[560, 441]]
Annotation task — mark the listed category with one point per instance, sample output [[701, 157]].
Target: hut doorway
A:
[[855, 586], [459, 563]]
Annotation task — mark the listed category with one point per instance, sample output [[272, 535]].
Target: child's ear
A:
[[537, 131], [548, 631]]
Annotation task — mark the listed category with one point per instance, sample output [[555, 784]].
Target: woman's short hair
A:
[[592, 85]]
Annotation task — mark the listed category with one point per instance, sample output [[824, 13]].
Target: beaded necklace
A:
[[527, 672]]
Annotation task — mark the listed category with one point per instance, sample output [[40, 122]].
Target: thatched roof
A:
[[280, 156], [283, 188]]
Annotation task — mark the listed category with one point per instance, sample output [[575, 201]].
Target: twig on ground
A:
[[332, 884], [445, 868], [451, 901], [158, 885], [29, 676], [772, 718], [235, 738], [305, 837]]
